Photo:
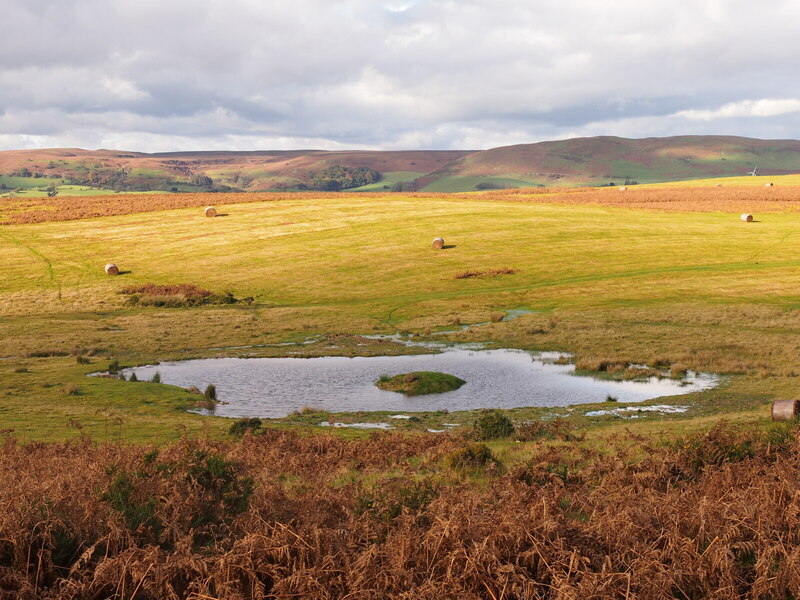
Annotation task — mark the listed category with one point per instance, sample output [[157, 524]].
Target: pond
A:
[[276, 387]]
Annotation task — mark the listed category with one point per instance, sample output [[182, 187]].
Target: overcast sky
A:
[[159, 75]]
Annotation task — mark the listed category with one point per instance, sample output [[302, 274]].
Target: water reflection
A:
[[275, 387]]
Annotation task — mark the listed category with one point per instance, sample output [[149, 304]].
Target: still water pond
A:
[[275, 387]]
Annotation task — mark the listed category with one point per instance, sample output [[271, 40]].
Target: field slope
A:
[[667, 277], [137, 497]]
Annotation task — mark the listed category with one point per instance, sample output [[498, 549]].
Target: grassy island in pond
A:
[[419, 383]]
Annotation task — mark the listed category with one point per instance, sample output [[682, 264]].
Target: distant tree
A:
[[52, 191], [491, 185], [200, 180], [404, 186], [22, 172], [342, 178]]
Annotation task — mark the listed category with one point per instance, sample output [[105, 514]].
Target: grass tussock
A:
[[47, 353], [426, 517], [557, 429]]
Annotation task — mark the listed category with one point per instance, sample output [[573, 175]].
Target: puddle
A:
[[276, 387], [383, 426], [627, 411]]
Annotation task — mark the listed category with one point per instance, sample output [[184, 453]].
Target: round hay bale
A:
[[770, 184], [785, 410], [747, 218], [622, 189], [438, 243], [112, 269], [211, 211]]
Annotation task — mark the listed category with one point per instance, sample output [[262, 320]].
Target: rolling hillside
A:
[[603, 160], [576, 162]]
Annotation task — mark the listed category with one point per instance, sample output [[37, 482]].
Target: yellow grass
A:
[[702, 289]]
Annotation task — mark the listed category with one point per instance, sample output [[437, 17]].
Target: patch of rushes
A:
[[175, 295]]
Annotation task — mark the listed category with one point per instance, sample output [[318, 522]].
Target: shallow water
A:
[[275, 387]]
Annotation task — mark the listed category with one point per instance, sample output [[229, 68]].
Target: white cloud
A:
[[120, 89], [765, 107]]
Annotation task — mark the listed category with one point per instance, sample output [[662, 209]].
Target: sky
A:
[[169, 75]]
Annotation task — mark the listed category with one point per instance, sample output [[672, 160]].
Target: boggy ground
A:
[[677, 288]]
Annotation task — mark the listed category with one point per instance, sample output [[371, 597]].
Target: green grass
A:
[[388, 180], [69, 190], [757, 181], [700, 289], [12, 183], [469, 184], [420, 383]]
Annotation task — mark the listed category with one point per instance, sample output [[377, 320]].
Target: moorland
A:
[[112, 489], [593, 162]]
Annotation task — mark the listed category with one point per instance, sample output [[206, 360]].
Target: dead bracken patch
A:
[[182, 289], [489, 273], [265, 516]]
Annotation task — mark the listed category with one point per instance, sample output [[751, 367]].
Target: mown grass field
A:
[[466, 183], [698, 289], [742, 180]]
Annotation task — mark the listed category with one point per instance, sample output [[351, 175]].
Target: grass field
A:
[[698, 289], [743, 180], [566, 505], [388, 180], [82, 191], [467, 184]]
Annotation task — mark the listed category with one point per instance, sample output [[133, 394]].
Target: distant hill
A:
[[576, 162], [604, 160]]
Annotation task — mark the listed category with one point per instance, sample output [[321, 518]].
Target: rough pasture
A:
[[685, 197], [612, 284]]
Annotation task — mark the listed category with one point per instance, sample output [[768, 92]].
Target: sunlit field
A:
[[135, 497], [683, 282]]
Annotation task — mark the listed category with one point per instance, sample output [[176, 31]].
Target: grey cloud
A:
[[398, 73]]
